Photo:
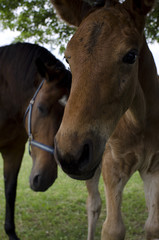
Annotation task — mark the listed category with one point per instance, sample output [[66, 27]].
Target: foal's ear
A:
[[74, 11], [142, 7]]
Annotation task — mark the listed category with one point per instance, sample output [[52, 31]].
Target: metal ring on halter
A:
[[31, 140]]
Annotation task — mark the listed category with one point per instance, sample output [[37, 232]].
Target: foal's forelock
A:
[[95, 32]]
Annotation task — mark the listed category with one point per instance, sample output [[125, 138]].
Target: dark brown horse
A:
[[113, 104], [19, 79]]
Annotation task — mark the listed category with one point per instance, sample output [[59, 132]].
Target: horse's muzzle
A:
[[40, 181]]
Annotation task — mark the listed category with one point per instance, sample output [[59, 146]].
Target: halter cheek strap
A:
[[31, 140]]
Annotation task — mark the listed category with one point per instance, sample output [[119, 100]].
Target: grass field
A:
[[60, 214]]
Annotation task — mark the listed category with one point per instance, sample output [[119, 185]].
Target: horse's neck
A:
[[145, 104]]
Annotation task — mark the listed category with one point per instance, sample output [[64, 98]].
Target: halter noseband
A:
[[31, 140]]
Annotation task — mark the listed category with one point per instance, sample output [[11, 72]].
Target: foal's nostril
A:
[[78, 163], [85, 156]]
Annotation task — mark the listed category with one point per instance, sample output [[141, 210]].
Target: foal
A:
[[113, 104]]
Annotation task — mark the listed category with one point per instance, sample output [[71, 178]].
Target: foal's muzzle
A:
[[77, 166]]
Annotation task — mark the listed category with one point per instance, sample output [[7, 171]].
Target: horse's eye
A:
[[131, 56], [42, 109]]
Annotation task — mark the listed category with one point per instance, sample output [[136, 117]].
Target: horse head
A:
[[46, 115], [104, 57]]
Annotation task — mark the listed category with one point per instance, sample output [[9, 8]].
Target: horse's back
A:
[[17, 61]]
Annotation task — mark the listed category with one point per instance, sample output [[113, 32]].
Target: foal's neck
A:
[[145, 104], [148, 77]]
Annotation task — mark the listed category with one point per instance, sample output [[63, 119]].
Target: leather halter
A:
[[31, 139]]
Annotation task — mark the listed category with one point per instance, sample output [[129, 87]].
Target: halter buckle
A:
[[30, 138], [32, 101]]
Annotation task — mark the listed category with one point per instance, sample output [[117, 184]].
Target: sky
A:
[[7, 36]]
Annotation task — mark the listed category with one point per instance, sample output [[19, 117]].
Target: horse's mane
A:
[[19, 59], [28, 52]]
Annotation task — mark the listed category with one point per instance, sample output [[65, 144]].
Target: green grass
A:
[[60, 214]]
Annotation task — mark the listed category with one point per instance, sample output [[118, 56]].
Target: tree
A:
[[152, 24], [37, 20]]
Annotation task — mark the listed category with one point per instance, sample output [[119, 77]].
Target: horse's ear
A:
[[74, 11], [109, 3], [66, 80], [142, 7], [41, 67], [69, 80]]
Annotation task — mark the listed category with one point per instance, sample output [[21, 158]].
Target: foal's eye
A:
[[42, 109], [66, 60], [131, 56]]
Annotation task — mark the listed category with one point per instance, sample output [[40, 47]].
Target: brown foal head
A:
[[103, 57], [46, 117]]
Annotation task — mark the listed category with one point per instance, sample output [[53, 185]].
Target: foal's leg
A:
[[151, 187], [116, 173], [12, 157], [93, 203]]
